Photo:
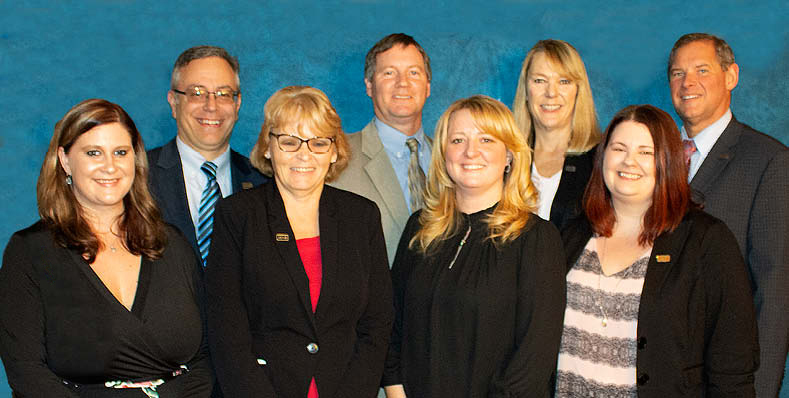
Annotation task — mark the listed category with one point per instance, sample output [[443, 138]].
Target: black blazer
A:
[[696, 330], [166, 181], [744, 181], [567, 205], [264, 338]]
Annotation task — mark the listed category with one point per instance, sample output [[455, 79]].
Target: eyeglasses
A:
[[292, 143], [200, 94]]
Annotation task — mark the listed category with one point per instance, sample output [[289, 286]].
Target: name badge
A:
[[569, 168], [663, 258], [246, 185], [282, 237]]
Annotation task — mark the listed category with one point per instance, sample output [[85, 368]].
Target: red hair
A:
[[671, 197]]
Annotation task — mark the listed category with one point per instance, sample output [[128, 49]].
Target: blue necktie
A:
[[205, 219]]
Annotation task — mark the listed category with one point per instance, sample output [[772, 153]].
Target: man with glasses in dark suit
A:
[[198, 166]]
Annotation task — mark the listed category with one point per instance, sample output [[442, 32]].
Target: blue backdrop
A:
[[54, 54]]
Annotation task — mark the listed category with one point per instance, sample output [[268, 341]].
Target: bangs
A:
[[500, 125], [300, 114]]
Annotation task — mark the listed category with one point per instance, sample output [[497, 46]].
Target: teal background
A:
[[54, 54]]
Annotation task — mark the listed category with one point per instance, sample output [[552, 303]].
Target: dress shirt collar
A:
[[193, 160], [705, 139], [393, 140]]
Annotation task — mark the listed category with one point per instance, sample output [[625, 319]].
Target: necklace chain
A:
[[599, 295]]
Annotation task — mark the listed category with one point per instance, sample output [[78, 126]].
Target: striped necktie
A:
[[205, 219], [416, 176]]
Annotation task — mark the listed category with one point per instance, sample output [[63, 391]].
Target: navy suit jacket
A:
[[166, 181], [744, 181]]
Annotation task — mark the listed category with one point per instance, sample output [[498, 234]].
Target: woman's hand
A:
[[395, 391]]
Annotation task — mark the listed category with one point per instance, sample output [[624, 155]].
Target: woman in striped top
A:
[[658, 298]]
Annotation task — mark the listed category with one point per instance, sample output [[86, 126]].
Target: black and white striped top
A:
[[598, 350]]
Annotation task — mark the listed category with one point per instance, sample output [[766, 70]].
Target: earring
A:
[[507, 168], [69, 181], [267, 155]]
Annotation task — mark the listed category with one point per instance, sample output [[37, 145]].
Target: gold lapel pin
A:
[[663, 258], [282, 237], [246, 185]]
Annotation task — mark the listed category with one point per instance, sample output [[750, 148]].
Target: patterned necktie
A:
[[205, 219], [690, 148], [416, 176]]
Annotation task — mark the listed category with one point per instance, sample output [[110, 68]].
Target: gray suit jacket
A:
[[370, 174], [744, 181]]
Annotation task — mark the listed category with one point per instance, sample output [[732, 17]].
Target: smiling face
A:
[[550, 95], [302, 172], [629, 164], [399, 88], [101, 165], [475, 160], [700, 88], [206, 125]]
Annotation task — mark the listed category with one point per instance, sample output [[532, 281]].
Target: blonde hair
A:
[[440, 218], [585, 130], [302, 106]]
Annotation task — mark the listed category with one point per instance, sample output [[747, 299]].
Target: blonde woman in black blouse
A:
[[479, 290]]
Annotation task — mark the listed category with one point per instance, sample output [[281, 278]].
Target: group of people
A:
[[329, 265]]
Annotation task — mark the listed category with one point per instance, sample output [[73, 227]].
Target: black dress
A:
[[63, 334], [489, 326]]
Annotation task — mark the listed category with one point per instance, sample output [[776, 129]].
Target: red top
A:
[[310, 253]]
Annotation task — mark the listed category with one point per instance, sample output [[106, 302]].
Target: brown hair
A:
[[671, 197], [302, 106], [395, 39], [585, 132], [141, 226], [440, 218], [723, 52]]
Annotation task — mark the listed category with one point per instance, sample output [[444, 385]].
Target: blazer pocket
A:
[[693, 376]]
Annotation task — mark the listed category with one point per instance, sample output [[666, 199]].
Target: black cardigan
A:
[[696, 325]]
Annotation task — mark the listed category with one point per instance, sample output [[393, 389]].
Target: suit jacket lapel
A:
[[720, 155], [173, 200], [239, 173], [330, 233], [379, 170], [285, 243]]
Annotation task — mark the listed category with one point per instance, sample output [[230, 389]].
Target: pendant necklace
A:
[[599, 298]]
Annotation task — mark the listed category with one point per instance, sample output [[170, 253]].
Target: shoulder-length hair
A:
[[585, 130], [440, 217], [302, 107], [671, 198], [141, 227]]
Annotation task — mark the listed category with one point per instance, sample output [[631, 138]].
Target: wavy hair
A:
[[301, 106], [671, 198], [585, 132], [440, 218], [141, 226]]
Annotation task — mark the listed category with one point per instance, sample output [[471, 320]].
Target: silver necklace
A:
[[599, 295], [460, 246]]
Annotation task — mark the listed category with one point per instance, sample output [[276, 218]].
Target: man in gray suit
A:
[[397, 76], [742, 177]]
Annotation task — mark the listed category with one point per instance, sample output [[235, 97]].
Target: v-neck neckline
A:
[[140, 295]]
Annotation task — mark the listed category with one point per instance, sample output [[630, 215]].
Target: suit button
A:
[[642, 343], [643, 379], [312, 348]]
